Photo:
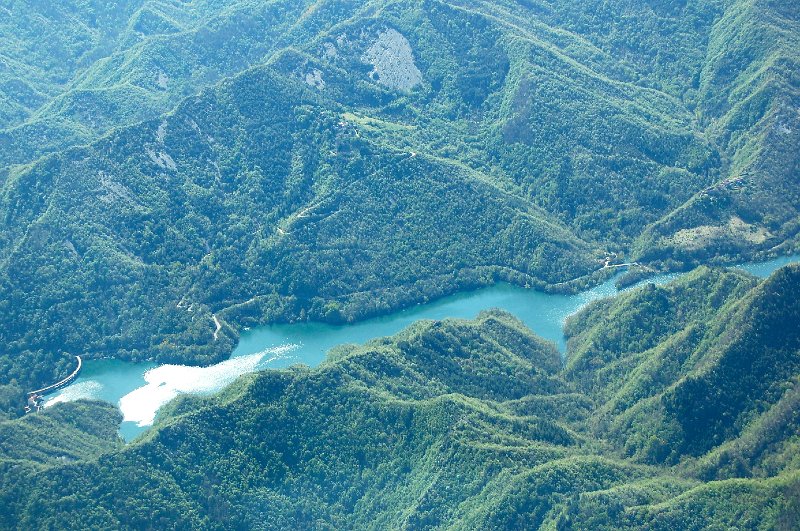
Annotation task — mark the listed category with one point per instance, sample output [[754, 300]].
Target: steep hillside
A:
[[186, 169], [474, 424], [573, 101], [715, 370], [46, 45], [64, 433], [747, 101], [256, 201], [133, 63]]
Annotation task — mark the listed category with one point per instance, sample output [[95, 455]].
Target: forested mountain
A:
[[471, 425], [76, 70], [163, 162], [172, 172]]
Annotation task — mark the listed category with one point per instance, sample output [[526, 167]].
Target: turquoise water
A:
[[140, 389]]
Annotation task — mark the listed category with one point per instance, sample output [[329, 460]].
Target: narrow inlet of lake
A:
[[141, 388]]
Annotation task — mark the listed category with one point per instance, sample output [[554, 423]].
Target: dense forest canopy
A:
[[330, 160], [173, 172], [687, 421]]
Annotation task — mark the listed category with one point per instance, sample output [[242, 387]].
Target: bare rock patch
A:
[[392, 61]]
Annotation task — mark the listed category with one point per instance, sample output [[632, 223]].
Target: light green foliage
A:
[[245, 159], [167, 166], [62, 433], [474, 424]]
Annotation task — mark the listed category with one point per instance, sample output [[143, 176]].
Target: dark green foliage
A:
[[752, 368], [173, 171], [62, 436], [289, 180], [148, 245], [705, 357], [731, 504], [29, 370], [643, 319], [323, 448], [475, 425]]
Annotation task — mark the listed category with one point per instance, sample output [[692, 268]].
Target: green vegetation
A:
[[165, 162], [171, 172], [676, 370], [162, 163], [473, 425], [62, 433]]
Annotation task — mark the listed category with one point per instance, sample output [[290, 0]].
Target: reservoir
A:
[[141, 388]]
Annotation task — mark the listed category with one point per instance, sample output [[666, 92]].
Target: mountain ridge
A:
[[669, 147], [428, 428]]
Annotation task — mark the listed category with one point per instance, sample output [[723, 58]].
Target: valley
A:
[[674, 408], [140, 389], [395, 264]]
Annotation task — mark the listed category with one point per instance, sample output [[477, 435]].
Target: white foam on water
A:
[[89, 389], [167, 381]]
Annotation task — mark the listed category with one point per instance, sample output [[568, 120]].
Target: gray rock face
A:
[[392, 61], [314, 79]]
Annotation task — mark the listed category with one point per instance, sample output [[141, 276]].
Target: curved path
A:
[[218, 325], [59, 384]]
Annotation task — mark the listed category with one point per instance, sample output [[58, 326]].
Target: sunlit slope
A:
[[703, 368], [335, 159], [474, 424], [257, 200], [748, 96]]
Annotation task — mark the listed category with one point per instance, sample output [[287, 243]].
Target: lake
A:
[[141, 388]]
